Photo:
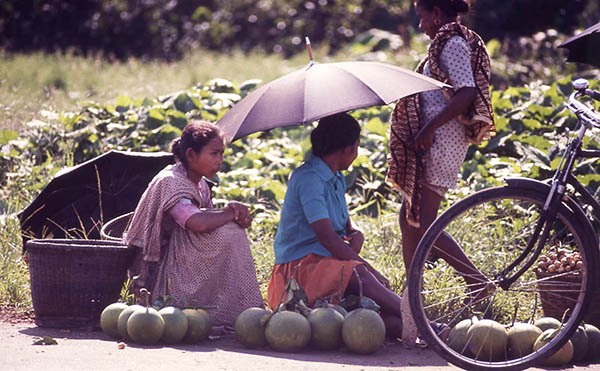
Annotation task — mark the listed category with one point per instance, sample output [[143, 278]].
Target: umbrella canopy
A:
[[585, 46], [319, 90], [83, 197]]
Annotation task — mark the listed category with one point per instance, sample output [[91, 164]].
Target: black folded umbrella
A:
[[79, 200], [585, 46]]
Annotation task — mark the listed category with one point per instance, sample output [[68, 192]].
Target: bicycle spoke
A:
[[492, 234]]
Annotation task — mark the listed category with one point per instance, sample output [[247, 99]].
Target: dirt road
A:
[[81, 350]]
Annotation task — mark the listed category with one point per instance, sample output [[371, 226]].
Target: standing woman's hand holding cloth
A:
[[410, 136]]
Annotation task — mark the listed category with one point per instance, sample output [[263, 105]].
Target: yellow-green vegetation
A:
[[30, 83], [14, 285], [75, 99]]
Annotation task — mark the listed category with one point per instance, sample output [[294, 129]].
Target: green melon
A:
[[176, 325], [340, 309], [288, 331], [546, 323], [199, 325], [457, 339], [488, 340], [580, 344], [521, 337], [109, 319], [145, 326], [326, 328], [363, 331], [248, 329], [562, 356], [593, 334], [124, 317]]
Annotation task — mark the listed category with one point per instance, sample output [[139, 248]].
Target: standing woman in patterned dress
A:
[[187, 248], [431, 131]]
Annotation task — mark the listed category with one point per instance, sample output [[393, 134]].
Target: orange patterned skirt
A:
[[319, 276]]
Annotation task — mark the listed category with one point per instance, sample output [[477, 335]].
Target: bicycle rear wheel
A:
[[492, 228]]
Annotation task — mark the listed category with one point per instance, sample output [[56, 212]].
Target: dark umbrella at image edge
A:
[[585, 46], [79, 200]]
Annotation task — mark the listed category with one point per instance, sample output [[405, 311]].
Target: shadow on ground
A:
[[392, 354]]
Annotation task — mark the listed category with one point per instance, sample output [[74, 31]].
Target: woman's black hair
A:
[[334, 133], [450, 7], [195, 135]]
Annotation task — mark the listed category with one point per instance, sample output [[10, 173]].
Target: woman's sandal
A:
[[442, 330]]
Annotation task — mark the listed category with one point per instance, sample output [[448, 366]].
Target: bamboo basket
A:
[[558, 294], [72, 281]]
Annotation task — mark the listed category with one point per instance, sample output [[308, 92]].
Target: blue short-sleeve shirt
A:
[[314, 192]]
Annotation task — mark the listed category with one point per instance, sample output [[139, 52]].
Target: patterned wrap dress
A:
[[212, 269]]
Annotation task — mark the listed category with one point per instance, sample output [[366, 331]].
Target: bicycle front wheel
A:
[[458, 293]]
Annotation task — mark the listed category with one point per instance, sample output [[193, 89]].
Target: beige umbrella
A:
[[319, 90]]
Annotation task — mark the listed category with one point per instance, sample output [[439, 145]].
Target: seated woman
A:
[[190, 250], [315, 240]]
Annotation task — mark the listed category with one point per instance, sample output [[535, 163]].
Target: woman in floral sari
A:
[[188, 249]]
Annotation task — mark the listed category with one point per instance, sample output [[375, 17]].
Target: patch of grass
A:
[[14, 273], [33, 82]]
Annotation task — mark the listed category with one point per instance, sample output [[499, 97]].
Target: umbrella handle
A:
[[308, 48]]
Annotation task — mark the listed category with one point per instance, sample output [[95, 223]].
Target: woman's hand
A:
[[460, 103], [356, 239], [241, 213], [424, 139]]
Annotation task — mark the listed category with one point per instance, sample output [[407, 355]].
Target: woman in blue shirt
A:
[[315, 240]]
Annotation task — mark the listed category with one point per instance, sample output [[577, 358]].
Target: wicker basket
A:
[[114, 229], [556, 298], [72, 281]]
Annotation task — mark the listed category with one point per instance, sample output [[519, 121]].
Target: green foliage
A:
[[14, 286], [531, 128], [167, 29]]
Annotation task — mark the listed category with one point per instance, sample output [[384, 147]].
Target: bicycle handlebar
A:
[[582, 111], [593, 94]]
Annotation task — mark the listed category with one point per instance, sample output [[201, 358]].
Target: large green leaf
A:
[[8, 135]]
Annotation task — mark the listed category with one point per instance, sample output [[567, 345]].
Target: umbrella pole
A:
[[309, 49]]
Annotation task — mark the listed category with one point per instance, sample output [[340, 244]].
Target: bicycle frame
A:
[[586, 119]]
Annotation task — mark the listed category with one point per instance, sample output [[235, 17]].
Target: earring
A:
[[437, 21]]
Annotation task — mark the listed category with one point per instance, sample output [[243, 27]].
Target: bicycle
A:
[[519, 227]]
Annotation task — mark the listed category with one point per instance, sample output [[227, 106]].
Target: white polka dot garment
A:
[[445, 157]]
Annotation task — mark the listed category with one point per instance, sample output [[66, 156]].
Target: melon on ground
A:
[[109, 319], [546, 323], [145, 326], [562, 356], [288, 331], [457, 339], [248, 329], [521, 337], [580, 344], [326, 328], [199, 325], [488, 340], [176, 325], [124, 317], [363, 331], [593, 334]]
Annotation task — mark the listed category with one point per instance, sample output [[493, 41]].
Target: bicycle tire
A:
[[498, 214]]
